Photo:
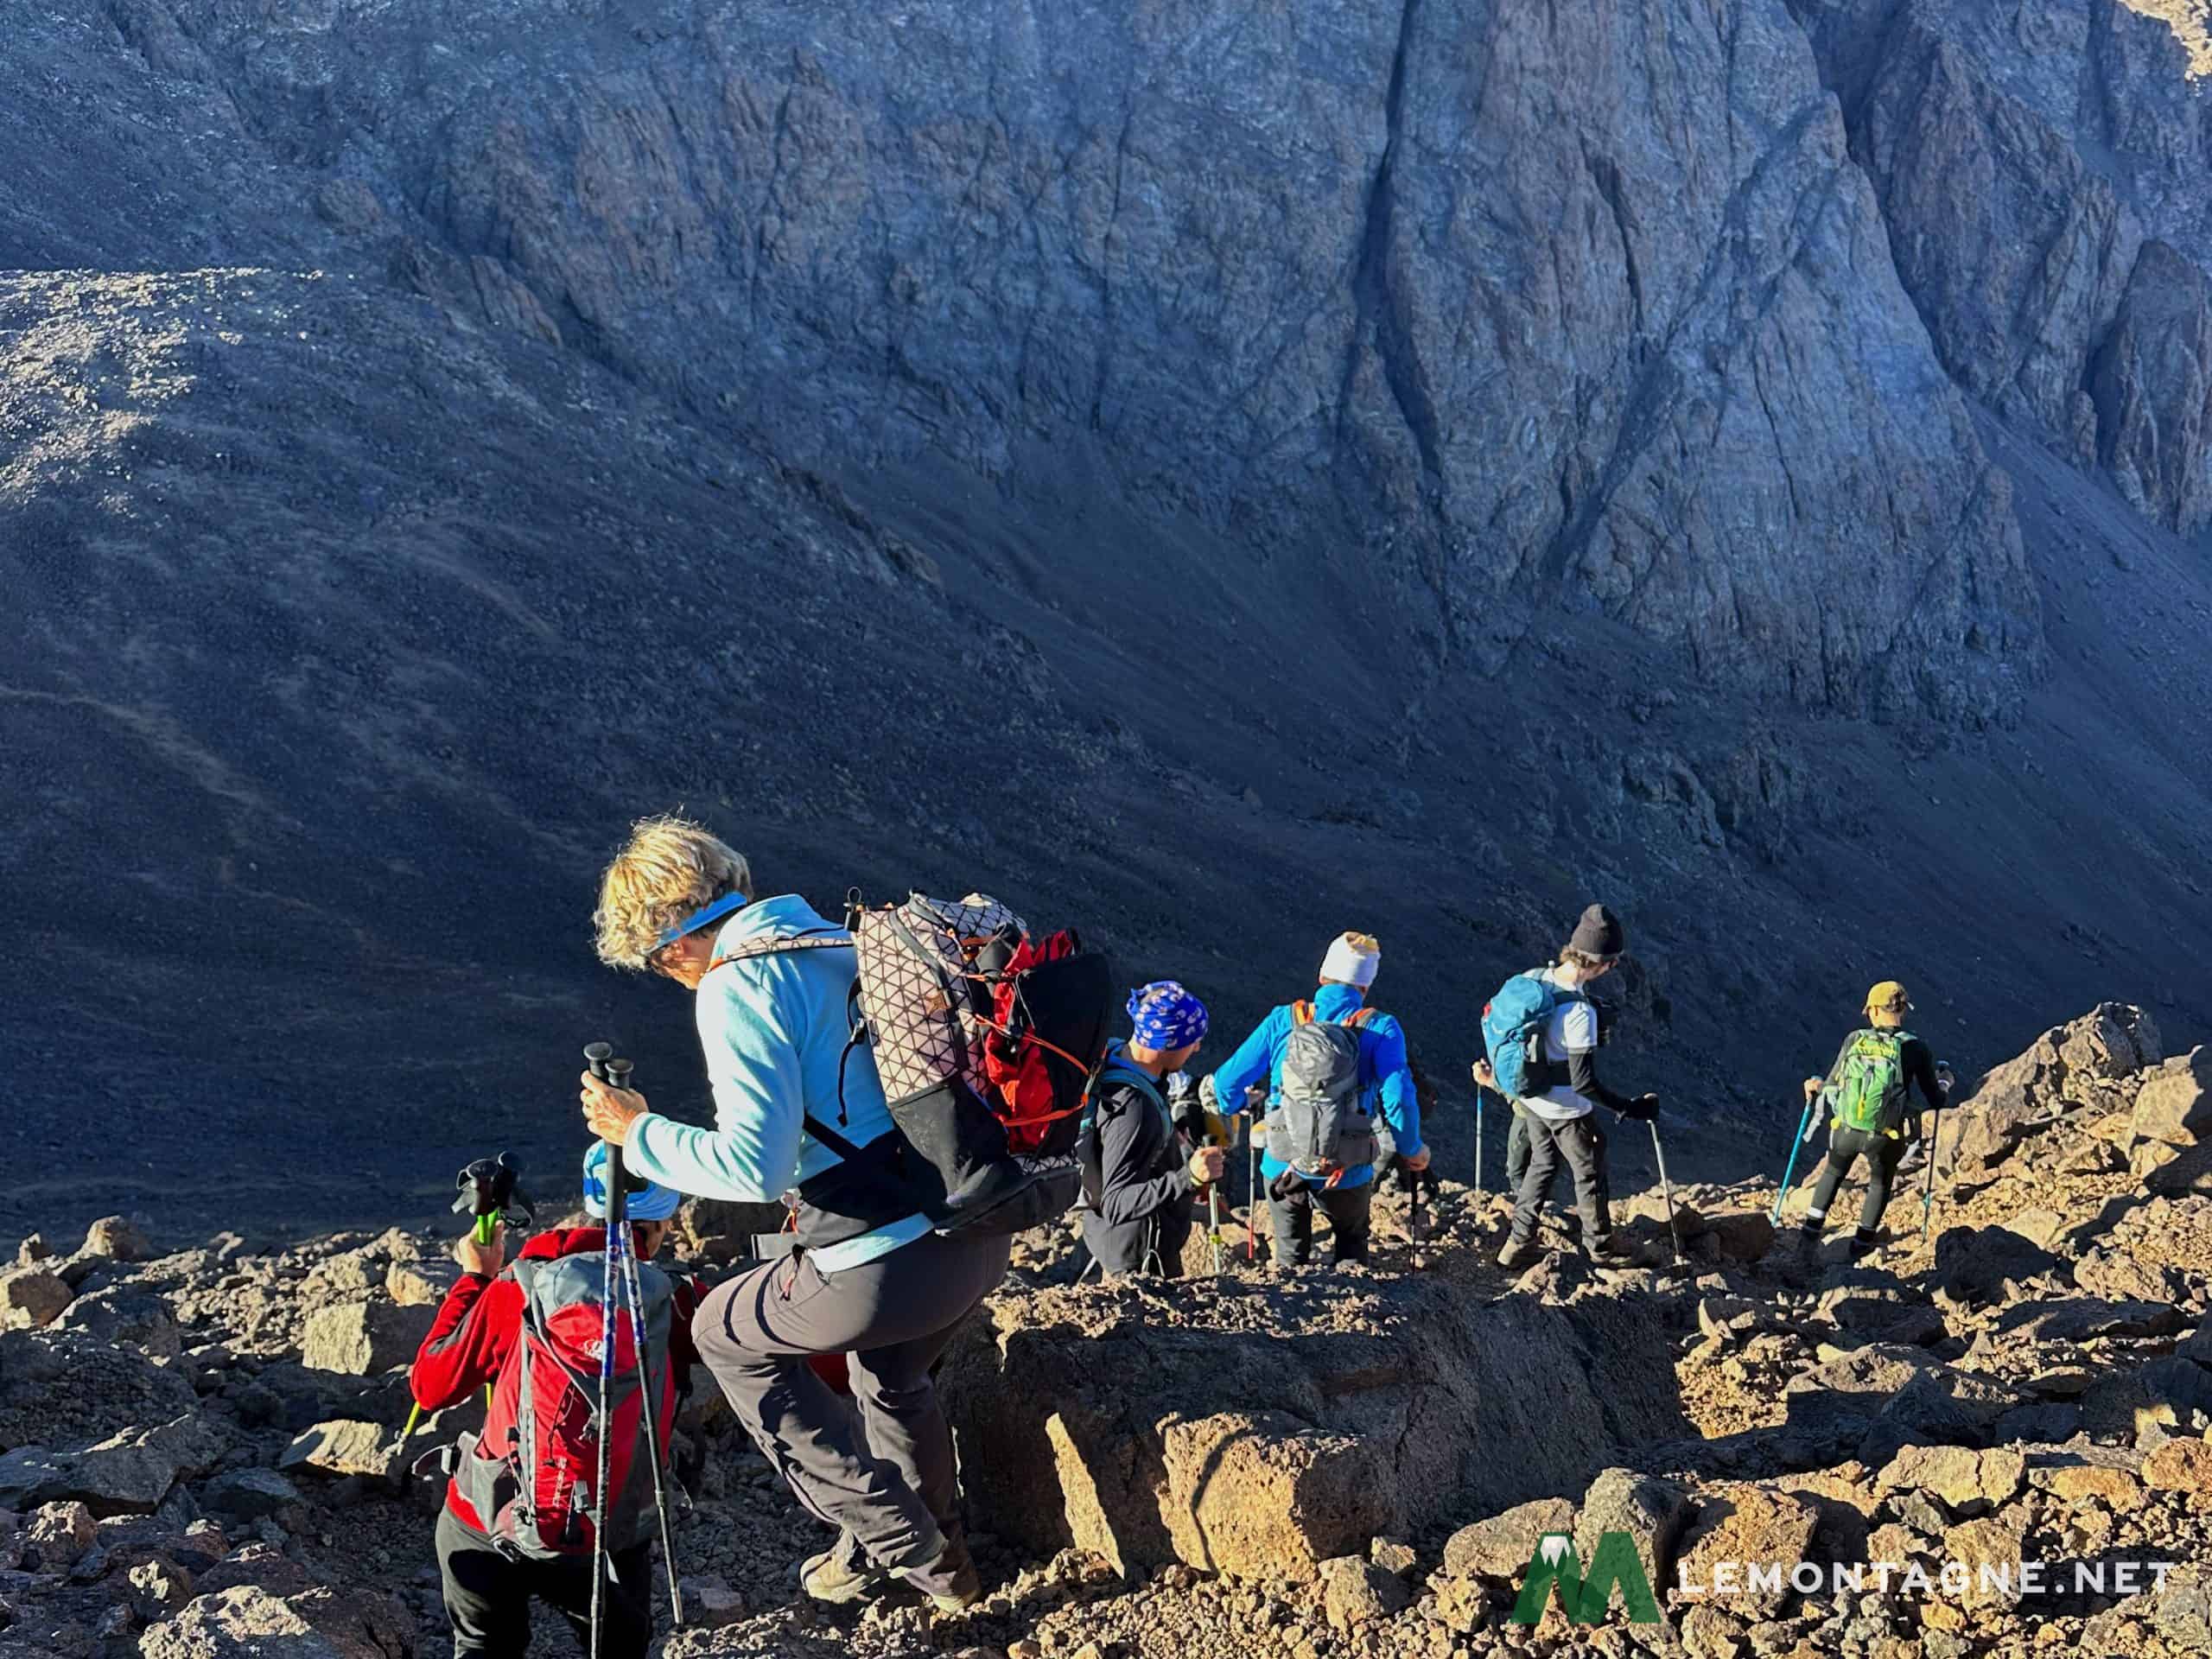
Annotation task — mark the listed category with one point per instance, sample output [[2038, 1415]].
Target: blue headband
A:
[[699, 919]]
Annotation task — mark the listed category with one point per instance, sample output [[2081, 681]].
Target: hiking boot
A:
[[951, 1586], [1518, 1252], [1608, 1249], [839, 1575], [1864, 1244]]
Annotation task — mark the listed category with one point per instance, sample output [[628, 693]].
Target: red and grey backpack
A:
[[529, 1477]]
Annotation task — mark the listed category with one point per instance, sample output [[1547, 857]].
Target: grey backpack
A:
[[1319, 1125]]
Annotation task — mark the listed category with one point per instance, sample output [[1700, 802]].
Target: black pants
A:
[[1581, 1144], [1845, 1147], [1516, 1165], [488, 1597], [1348, 1210]]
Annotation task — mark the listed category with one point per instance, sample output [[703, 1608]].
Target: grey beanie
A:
[[1599, 934]]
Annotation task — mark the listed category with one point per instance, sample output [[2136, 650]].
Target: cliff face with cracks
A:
[[2041, 167], [1516, 308]]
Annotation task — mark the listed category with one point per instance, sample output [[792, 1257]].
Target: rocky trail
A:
[[202, 1449]]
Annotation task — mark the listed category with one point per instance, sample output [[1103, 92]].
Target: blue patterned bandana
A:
[[1166, 1016]]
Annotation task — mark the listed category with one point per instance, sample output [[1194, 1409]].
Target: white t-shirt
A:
[[1573, 1030]]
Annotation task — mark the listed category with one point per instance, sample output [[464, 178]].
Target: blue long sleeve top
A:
[[774, 1030], [1389, 1094]]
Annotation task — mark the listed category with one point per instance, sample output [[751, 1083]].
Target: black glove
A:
[[1644, 1109]]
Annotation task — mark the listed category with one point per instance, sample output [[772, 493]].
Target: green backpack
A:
[[1870, 1095]]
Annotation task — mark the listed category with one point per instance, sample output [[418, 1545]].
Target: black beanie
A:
[[1599, 934]]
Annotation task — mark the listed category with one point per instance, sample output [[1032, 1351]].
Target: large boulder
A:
[[1259, 1495], [1357, 1591], [247, 1622], [59, 1534], [1339, 1408], [343, 1447], [421, 1281], [2182, 1465], [1743, 1525], [32, 1297], [250, 1495], [1988, 1264], [1966, 1481], [1502, 1546], [2079, 1064], [129, 1472], [2172, 1126], [1653, 1512], [363, 1339], [2120, 1403], [123, 1316], [116, 1239], [1986, 1542]]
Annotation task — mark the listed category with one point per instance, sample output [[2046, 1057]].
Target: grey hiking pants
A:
[[1581, 1144], [1845, 1147], [887, 1481]]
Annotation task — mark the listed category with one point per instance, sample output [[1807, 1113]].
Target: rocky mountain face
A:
[[1447, 461], [199, 1452]]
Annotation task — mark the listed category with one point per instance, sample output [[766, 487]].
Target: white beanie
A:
[[1353, 963]]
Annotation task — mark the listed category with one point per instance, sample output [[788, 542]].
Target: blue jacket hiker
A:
[[1386, 1094]]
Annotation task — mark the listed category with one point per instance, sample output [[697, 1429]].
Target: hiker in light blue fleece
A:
[[1387, 1093], [866, 1276]]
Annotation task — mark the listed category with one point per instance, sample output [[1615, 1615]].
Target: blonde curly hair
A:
[[669, 867]]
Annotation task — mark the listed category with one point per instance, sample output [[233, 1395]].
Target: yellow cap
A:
[[1887, 996]]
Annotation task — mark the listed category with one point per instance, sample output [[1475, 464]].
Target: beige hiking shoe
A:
[[840, 1575]]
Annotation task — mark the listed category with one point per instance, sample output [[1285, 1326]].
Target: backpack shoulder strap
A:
[[1301, 1014], [1359, 1016], [1122, 1072], [819, 939]]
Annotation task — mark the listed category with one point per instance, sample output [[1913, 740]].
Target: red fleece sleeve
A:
[[469, 1340]]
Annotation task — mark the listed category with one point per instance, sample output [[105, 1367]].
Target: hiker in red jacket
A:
[[476, 1340]]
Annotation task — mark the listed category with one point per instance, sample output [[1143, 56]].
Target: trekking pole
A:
[[1479, 1193], [1413, 1218], [633, 1291], [1667, 1187], [1252, 1122], [1804, 1122], [599, 1056], [1943, 1075]]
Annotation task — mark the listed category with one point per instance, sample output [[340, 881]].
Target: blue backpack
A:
[[1513, 1024]]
